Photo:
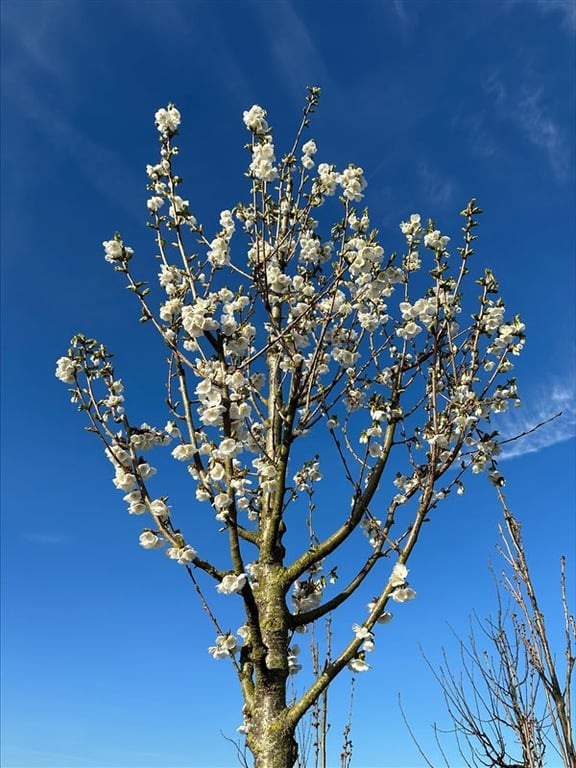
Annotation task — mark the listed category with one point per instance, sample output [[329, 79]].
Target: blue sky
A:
[[104, 645]]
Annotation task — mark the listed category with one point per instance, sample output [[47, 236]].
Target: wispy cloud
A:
[[525, 107], [401, 11], [558, 396], [42, 86], [46, 538], [479, 137], [541, 130], [293, 47], [565, 9], [494, 87], [103, 167], [37, 36], [184, 27], [437, 187]]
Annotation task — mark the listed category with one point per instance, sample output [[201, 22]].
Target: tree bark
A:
[[270, 738]]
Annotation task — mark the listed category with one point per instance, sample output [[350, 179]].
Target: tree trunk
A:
[[270, 739]]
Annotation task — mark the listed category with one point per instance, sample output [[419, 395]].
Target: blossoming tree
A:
[[287, 334]]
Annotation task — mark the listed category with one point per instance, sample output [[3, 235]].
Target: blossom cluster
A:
[[232, 583], [167, 120], [310, 473], [115, 250], [401, 592], [124, 447], [277, 325], [307, 594], [262, 166]]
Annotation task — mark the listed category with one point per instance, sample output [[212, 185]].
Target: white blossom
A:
[[221, 503], [150, 540], [172, 280], [412, 262], [219, 253], [353, 183], [252, 571], [327, 180], [217, 472], [412, 229], [385, 617], [262, 166], [171, 429], [231, 583], [409, 330], [306, 595], [436, 240], [184, 452], [66, 370], [146, 437], [170, 310], [358, 665], [115, 250], [307, 162], [310, 147], [202, 494], [243, 632], [308, 150], [154, 204], [228, 448], [159, 508], [361, 632], [292, 658], [254, 119], [403, 594], [179, 211], [146, 471], [124, 481], [225, 646], [183, 555], [227, 224], [136, 503], [186, 555], [118, 456], [493, 317], [167, 120], [398, 576]]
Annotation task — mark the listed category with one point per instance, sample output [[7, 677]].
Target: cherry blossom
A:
[[300, 348]]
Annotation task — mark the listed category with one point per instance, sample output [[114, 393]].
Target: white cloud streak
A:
[[184, 27], [46, 538], [437, 187], [42, 86], [293, 47], [527, 110], [103, 167], [478, 134], [558, 396], [566, 9], [402, 12], [541, 130], [37, 38]]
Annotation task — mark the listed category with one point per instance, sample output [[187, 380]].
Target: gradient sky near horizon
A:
[[104, 645]]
